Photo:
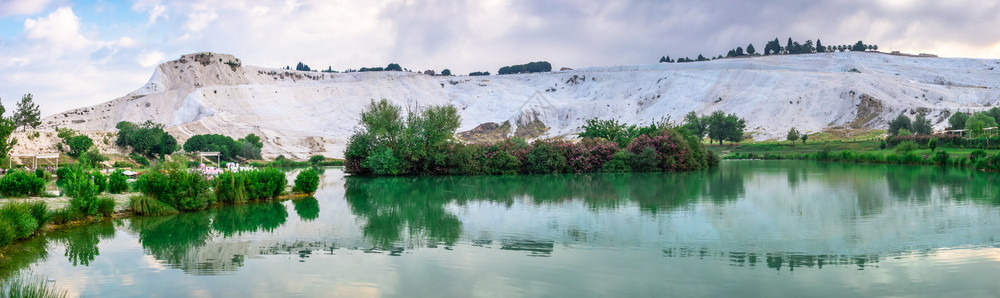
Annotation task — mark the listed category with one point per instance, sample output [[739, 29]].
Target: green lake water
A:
[[748, 228]]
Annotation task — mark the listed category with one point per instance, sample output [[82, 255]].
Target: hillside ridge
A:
[[300, 113]]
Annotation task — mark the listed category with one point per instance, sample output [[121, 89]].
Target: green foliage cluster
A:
[[106, 206], [145, 205], [19, 183], [146, 139], [479, 73], [773, 47], [117, 182], [307, 181], [377, 150], [7, 127], [391, 145], [902, 126], [718, 126], [236, 187], [172, 184], [82, 190], [21, 220], [619, 133], [532, 67], [231, 150]]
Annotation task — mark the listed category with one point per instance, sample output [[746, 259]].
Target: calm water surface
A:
[[749, 228]]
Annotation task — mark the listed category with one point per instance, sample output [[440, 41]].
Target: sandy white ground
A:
[[303, 113]]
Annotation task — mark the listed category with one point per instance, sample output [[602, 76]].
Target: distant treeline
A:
[[773, 47], [532, 67]]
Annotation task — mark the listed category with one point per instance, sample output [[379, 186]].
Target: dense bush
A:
[[175, 186], [307, 181], [100, 181], [20, 183], [234, 187], [145, 205], [422, 145], [532, 67], [106, 206], [20, 221], [245, 148], [230, 187], [82, 191], [147, 138], [117, 182]]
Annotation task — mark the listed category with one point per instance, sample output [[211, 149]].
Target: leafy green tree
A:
[[819, 46], [793, 135], [226, 146], [957, 120], [698, 126], [316, 159], [663, 59], [27, 114], [932, 144], [446, 72], [393, 67], [722, 127], [734, 128], [804, 138], [982, 121], [302, 67], [751, 50], [7, 127], [148, 138], [995, 113], [901, 122], [78, 144], [922, 125]]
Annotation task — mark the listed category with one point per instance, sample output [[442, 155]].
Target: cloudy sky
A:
[[76, 53]]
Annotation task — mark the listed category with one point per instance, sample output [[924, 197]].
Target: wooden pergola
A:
[[35, 158], [218, 156]]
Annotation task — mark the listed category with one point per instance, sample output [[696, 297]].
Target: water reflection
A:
[[82, 244], [307, 208]]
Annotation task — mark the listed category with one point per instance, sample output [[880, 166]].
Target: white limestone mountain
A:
[[300, 113]]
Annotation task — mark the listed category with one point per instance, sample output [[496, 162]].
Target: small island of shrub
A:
[[423, 144]]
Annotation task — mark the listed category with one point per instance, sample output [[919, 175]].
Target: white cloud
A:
[[60, 28], [201, 20], [21, 7], [150, 59], [127, 42]]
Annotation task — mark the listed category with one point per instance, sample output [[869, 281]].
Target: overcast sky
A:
[[76, 53]]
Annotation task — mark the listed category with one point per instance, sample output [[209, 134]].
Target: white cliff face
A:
[[303, 113]]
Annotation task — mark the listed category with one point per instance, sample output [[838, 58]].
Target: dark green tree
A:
[[922, 125], [78, 144], [393, 67], [901, 122], [793, 135], [302, 67], [751, 50], [663, 59], [957, 120], [7, 127], [698, 126], [27, 114], [739, 51], [819, 47], [446, 72], [148, 138], [859, 47], [722, 127]]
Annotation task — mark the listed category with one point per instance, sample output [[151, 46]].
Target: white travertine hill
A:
[[303, 113]]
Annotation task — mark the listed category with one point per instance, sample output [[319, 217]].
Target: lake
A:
[[747, 228]]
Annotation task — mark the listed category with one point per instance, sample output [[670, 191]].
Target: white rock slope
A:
[[303, 113]]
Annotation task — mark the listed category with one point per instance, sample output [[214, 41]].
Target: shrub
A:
[[316, 159], [499, 162], [19, 183], [64, 215], [266, 183], [139, 159], [230, 187], [18, 217], [175, 186], [40, 211], [145, 205], [383, 161], [106, 206], [545, 159], [123, 164], [307, 181], [906, 147], [62, 172], [619, 163], [99, 180], [941, 157], [648, 160], [82, 191], [977, 154], [117, 182]]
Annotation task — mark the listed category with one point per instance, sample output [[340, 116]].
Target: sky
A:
[[72, 54]]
